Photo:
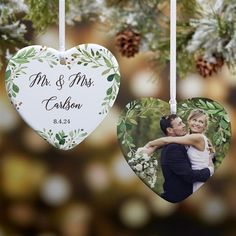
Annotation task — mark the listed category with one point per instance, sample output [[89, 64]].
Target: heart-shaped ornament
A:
[[65, 102], [177, 163]]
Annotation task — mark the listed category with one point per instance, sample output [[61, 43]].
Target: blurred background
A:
[[91, 190]]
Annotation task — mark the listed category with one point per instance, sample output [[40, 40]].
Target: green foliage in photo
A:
[[139, 124]]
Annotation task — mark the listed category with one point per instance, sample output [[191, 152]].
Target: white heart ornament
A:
[[63, 103]]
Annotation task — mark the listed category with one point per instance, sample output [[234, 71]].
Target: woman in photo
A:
[[199, 149]]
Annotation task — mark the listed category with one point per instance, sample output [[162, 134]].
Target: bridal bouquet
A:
[[144, 166]]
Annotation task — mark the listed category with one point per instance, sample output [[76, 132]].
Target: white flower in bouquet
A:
[[152, 170], [152, 184], [145, 165], [142, 175], [139, 167]]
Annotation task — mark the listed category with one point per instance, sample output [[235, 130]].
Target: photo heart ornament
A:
[[175, 164], [65, 102]]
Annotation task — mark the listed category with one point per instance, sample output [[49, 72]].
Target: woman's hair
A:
[[197, 113]]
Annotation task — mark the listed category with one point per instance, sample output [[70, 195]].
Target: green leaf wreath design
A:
[[136, 126], [62, 140], [134, 112], [101, 58], [111, 92], [219, 130], [139, 123], [18, 64]]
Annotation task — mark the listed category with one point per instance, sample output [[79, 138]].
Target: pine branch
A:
[[206, 29], [42, 13]]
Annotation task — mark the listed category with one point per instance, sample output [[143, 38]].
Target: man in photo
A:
[[179, 177]]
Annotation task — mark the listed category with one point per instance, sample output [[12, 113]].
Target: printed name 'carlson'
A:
[[51, 104]]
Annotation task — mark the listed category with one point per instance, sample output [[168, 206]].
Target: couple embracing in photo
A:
[[186, 158]]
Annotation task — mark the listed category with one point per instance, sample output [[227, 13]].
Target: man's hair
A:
[[165, 122]]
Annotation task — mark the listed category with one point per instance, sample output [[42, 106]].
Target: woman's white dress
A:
[[199, 160]]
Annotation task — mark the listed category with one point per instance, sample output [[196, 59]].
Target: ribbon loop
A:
[[62, 31], [173, 75]]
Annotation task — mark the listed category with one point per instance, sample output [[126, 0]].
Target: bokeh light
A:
[[56, 190], [213, 210], [97, 177], [191, 86], [134, 213], [21, 175], [121, 170], [143, 84]]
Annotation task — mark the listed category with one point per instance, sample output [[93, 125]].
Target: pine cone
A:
[[128, 42], [206, 68]]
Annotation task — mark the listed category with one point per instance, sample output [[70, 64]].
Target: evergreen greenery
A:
[[204, 27]]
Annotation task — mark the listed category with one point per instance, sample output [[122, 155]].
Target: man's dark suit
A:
[[178, 174]]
